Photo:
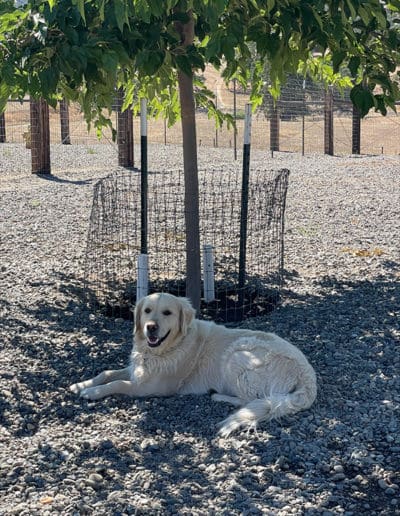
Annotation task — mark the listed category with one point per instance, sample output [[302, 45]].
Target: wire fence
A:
[[114, 241], [301, 127]]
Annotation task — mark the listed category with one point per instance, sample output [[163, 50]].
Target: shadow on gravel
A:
[[349, 331], [55, 179], [57, 345]]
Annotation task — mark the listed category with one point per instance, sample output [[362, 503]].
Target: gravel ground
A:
[[63, 455]]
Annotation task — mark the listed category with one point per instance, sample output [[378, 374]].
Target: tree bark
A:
[[124, 134], [40, 137], [185, 83]]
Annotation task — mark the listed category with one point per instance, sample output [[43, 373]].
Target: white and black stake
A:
[[142, 284], [143, 176], [244, 203], [208, 273]]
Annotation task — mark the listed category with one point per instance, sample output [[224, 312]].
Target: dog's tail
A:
[[272, 407]]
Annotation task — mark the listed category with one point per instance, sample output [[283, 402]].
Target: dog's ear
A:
[[186, 315], [138, 311]]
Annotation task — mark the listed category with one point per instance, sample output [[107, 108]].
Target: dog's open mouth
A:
[[154, 341]]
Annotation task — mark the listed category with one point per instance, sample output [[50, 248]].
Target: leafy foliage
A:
[[84, 49]]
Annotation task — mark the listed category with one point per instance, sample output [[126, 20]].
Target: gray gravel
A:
[[63, 455]]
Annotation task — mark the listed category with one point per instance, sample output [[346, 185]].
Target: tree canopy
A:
[[83, 49]]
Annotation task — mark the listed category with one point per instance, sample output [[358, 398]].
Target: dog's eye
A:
[[147, 310], [167, 312]]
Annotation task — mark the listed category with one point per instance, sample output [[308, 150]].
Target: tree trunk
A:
[[40, 137], [124, 134], [185, 82]]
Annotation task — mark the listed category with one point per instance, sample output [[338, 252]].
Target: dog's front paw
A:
[[92, 393], [76, 388]]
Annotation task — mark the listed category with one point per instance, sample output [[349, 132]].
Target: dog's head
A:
[[161, 319]]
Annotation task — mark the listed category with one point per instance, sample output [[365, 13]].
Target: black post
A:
[[356, 132], [274, 128], [303, 123], [244, 205], [235, 118], [143, 176], [2, 128], [216, 128], [328, 125]]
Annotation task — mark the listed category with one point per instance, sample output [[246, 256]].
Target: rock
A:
[[95, 481]]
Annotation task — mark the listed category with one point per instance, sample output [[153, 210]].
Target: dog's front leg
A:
[[163, 386], [116, 387], [152, 387], [101, 379]]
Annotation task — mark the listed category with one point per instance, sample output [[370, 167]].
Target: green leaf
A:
[[120, 14], [49, 80], [270, 5], [337, 60], [354, 64], [81, 8], [101, 9], [149, 61], [362, 98], [380, 104], [184, 64], [351, 8]]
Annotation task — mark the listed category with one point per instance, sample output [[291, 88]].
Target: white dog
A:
[[174, 353]]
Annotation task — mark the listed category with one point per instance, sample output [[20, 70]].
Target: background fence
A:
[[298, 123]]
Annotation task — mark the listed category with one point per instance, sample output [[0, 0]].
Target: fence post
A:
[[208, 273], [356, 132], [235, 118], [40, 137], [124, 134], [64, 122], [2, 128], [142, 284], [143, 176], [274, 128], [328, 125], [244, 205]]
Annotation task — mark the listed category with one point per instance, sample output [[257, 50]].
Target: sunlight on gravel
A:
[[63, 455]]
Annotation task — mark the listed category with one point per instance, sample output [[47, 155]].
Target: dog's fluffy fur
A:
[[174, 353]]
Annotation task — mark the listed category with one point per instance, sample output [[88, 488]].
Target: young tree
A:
[[83, 49]]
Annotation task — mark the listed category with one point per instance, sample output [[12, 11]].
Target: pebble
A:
[[95, 480], [383, 484], [337, 477]]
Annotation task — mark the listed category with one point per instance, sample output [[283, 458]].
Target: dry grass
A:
[[378, 134]]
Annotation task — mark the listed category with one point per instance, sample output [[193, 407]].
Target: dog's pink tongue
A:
[[153, 340]]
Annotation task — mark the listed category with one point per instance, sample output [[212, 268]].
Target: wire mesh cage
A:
[[114, 241]]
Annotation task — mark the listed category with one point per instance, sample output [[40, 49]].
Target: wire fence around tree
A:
[[114, 240]]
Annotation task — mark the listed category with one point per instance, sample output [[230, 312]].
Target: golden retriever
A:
[[174, 353]]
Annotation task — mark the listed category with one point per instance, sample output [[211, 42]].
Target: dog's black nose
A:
[[152, 328]]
